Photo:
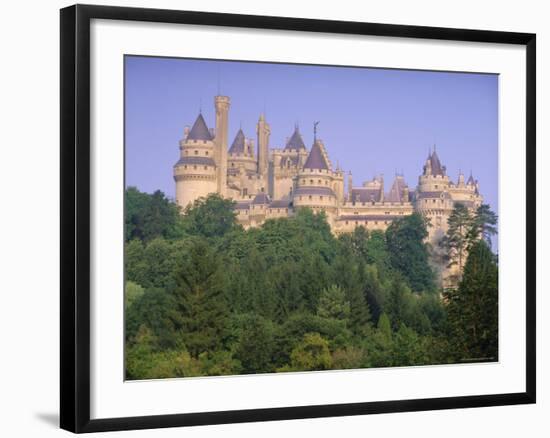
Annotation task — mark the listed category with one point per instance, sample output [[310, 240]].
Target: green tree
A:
[[150, 216], [200, 299], [256, 345], [311, 354], [408, 252], [484, 224], [333, 303], [459, 235], [132, 291], [210, 217], [473, 307]]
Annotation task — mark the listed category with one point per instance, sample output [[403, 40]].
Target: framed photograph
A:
[[268, 218]]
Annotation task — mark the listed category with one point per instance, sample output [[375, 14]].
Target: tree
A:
[[408, 252], [458, 235], [200, 299], [473, 307], [311, 354], [210, 217], [150, 216], [483, 224], [333, 304], [256, 345], [132, 291]]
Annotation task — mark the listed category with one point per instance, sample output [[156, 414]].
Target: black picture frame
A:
[[75, 217]]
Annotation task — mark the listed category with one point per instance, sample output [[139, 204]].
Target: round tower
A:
[[315, 184], [195, 173]]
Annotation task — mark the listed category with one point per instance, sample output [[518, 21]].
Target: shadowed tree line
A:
[[205, 297]]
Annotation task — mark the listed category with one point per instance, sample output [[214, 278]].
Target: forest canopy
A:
[[205, 297]]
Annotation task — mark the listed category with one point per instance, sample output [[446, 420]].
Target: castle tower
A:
[[222, 104], [287, 163], [315, 183], [263, 131], [242, 176], [196, 173], [433, 197]]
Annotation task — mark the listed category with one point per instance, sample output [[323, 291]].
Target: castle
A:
[[273, 183]]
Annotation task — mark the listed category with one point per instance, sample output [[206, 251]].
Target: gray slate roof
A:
[[424, 195], [201, 161], [362, 194], [437, 168], [242, 205], [471, 180], [261, 198], [295, 141], [280, 203], [199, 131], [316, 159], [237, 147], [314, 191], [396, 192], [369, 217]]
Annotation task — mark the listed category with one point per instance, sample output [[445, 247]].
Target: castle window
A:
[[186, 152], [356, 222], [196, 152], [310, 197], [436, 186], [375, 222], [245, 192], [232, 164], [300, 198], [311, 181], [346, 222], [195, 167], [321, 198], [205, 168], [206, 153], [433, 201], [319, 181], [185, 167]]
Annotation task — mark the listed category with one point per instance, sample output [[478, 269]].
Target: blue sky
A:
[[372, 121]]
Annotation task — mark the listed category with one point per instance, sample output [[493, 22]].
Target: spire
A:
[[199, 131], [471, 179], [435, 164], [295, 141], [238, 145], [316, 158]]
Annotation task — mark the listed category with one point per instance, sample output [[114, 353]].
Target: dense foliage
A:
[[204, 296]]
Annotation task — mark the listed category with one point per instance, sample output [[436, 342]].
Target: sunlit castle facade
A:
[[268, 182]]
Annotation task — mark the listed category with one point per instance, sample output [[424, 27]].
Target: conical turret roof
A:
[[437, 168], [199, 131], [295, 141], [237, 147], [316, 158]]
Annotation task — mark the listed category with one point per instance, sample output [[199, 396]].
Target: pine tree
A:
[[200, 299], [408, 252], [483, 224], [458, 235], [473, 307]]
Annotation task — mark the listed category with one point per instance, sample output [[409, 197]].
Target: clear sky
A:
[[372, 121]]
